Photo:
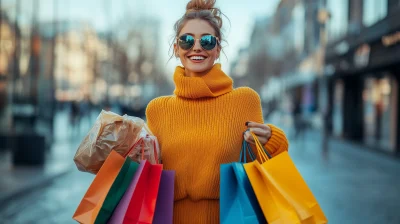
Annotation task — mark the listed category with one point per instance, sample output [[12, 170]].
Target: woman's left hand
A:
[[262, 131]]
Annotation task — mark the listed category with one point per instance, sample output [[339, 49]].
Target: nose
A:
[[197, 46]]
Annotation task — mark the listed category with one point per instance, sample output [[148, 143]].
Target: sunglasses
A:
[[207, 42]]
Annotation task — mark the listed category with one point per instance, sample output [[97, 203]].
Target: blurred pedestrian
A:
[[327, 116], [74, 117], [204, 123], [84, 111], [298, 120]]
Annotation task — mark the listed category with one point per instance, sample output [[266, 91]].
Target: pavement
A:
[[352, 185], [17, 181]]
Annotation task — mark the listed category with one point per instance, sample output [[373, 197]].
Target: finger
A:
[[263, 140], [252, 124], [259, 131], [251, 141], [261, 134], [248, 137]]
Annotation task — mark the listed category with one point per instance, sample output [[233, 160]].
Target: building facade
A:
[[339, 63], [362, 66]]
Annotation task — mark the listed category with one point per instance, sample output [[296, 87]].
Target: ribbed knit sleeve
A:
[[278, 142]]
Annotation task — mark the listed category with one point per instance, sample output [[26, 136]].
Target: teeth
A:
[[197, 58]]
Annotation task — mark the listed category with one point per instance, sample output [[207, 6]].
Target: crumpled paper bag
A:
[[110, 132]]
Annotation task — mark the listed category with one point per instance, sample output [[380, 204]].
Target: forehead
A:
[[197, 27]]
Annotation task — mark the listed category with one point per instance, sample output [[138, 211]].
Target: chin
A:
[[200, 68]]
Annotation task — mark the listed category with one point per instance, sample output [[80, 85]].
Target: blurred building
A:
[[50, 62], [7, 48], [362, 63], [337, 59], [137, 58]]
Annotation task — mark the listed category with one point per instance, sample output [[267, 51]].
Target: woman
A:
[[201, 126]]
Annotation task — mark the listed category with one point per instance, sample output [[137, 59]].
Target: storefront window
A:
[[369, 95], [388, 87], [380, 104], [337, 116]]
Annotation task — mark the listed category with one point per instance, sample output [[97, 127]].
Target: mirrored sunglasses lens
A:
[[186, 42], [208, 42]]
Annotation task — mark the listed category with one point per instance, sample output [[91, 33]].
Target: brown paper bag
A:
[[110, 132]]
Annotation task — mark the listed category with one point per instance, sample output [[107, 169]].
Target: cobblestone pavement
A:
[[352, 185]]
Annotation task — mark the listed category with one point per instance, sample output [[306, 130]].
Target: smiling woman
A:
[[197, 47], [201, 126]]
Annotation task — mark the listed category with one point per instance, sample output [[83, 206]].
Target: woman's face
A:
[[197, 28]]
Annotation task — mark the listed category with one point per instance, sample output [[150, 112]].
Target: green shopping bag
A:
[[117, 190]]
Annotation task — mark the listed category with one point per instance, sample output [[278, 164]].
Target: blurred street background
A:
[[327, 71]]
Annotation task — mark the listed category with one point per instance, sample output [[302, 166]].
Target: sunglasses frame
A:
[[178, 39]]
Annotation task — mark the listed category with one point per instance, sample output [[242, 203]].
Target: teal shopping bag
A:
[[238, 203]]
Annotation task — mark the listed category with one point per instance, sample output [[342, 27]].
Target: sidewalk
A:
[[16, 181], [352, 183]]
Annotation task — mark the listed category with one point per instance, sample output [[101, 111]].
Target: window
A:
[[373, 11], [337, 25], [337, 112], [380, 103], [299, 26]]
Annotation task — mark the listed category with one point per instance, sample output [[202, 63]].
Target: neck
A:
[[212, 83], [189, 73]]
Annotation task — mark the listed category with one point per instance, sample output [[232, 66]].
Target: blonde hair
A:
[[204, 10]]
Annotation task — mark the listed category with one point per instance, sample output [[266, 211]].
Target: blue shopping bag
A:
[[238, 203]]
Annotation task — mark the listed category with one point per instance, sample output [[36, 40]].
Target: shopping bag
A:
[[281, 191], [238, 203], [142, 205], [110, 132], [94, 197], [117, 190], [119, 212], [165, 199]]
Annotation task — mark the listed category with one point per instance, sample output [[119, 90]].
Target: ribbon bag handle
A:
[[262, 153], [133, 147], [243, 152], [155, 151]]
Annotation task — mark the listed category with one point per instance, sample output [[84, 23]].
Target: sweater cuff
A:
[[278, 142]]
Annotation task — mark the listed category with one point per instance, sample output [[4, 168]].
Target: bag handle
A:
[[132, 147], [155, 151], [141, 141], [251, 153], [262, 153], [243, 152]]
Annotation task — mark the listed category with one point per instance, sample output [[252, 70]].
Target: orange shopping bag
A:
[[281, 191], [91, 203]]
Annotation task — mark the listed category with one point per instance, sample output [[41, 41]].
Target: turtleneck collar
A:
[[212, 84]]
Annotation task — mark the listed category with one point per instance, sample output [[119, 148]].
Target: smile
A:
[[197, 59]]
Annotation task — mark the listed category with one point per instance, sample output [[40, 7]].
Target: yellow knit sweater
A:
[[200, 127]]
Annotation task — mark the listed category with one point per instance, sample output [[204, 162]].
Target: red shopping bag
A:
[[142, 206]]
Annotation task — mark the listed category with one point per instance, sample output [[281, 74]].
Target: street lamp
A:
[[323, 16]]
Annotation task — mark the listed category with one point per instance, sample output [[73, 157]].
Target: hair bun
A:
[[198, 5]]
